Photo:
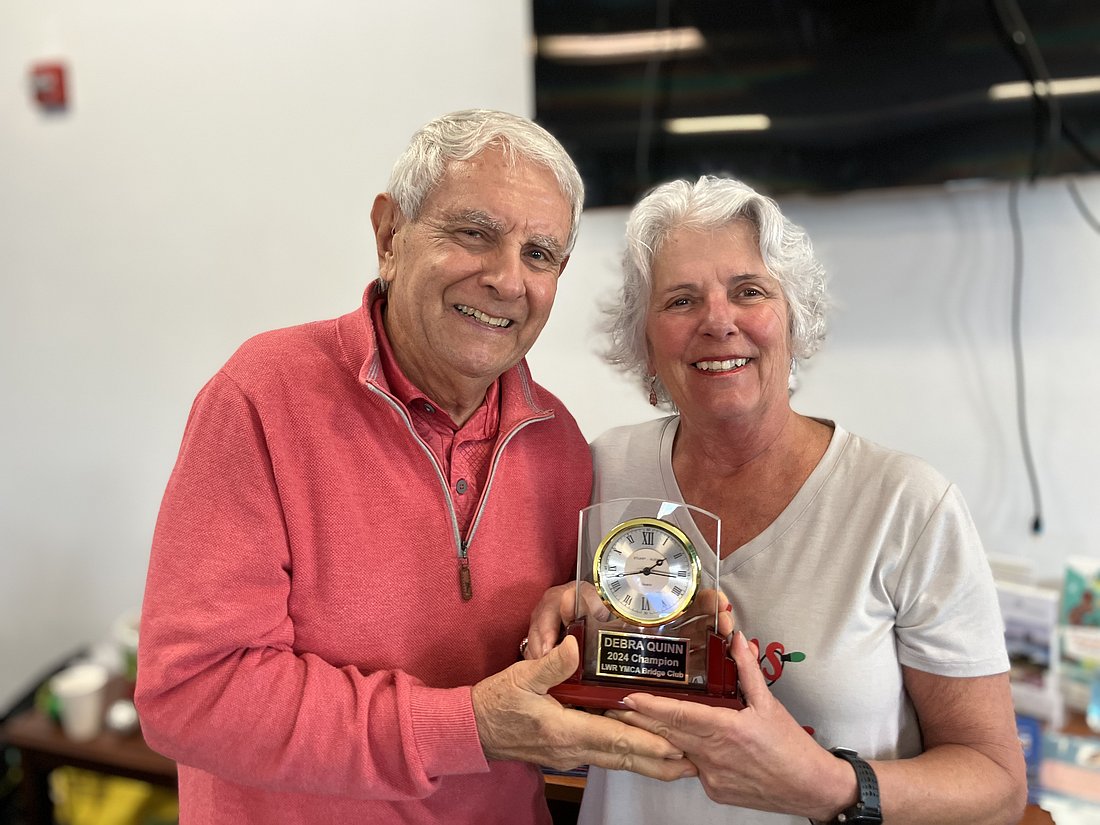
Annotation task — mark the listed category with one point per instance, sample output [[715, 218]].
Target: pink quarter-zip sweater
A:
[[305, 654]]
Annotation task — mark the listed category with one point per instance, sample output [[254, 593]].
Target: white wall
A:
[[214, 179], [919, 354]]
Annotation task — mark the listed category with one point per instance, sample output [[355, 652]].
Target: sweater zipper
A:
[[465, 585], [464, 572]]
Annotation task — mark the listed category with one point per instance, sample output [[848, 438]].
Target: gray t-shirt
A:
[[874, 564]]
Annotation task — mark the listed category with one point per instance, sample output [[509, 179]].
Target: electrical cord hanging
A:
[[1082, 207], [1048, 110], [1021, 44], [1073, 135], [646, 116], [1018, 351], [1049, 128]]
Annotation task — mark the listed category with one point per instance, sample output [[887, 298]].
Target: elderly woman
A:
[[855, 571]]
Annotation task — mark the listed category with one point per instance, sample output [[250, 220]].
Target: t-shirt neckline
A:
[[791, 513]]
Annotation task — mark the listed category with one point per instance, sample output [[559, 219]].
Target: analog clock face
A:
[[646, 571]]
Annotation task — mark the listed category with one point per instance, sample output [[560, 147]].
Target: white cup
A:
[[81, 691]]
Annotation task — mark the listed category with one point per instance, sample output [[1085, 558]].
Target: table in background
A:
[[1036, 816], [43, 747], [564, 788]]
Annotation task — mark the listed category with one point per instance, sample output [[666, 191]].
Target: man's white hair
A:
[[463, 135]]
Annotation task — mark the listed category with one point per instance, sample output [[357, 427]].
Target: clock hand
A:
[[645, 571]]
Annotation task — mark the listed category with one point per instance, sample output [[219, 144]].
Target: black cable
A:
[[1049, 128], [1026, 51], [1077, 141], [646, 118], [1048, 110], [1018, 351], [1049, 120], [1082, 207]]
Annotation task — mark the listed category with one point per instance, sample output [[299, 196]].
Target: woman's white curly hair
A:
[[710, 204]]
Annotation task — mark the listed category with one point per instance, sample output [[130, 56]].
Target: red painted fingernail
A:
[[729, 608]]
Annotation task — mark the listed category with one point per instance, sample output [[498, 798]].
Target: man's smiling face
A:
[[473, 279]]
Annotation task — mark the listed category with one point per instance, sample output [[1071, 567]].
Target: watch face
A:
[[646, 571]]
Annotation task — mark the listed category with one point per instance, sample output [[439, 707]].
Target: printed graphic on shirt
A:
[[774, 657], [772, 660]]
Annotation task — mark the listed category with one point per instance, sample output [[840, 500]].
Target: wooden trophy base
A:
[[721, 687]]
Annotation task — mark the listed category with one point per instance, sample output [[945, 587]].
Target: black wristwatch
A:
[[867, 810]]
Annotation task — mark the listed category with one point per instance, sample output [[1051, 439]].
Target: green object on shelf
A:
[[46, 703]]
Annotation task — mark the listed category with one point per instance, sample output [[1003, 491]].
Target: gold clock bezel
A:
[[666, 527]]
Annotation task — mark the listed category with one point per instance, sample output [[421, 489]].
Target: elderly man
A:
[[363, 513]]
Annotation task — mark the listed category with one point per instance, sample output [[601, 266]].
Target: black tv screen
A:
[[818, 96]]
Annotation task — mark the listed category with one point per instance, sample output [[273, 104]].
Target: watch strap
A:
[[868, 808]]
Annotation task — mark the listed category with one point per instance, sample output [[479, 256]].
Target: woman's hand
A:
[[759, 757]]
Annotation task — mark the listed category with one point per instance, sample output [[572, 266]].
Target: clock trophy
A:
[[647, 605]]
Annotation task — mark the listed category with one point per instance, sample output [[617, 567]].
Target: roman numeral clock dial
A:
[[646, 571]]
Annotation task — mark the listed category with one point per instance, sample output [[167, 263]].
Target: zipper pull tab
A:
[[464, 574]]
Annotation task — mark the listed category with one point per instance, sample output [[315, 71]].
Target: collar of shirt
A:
[[485, 421]]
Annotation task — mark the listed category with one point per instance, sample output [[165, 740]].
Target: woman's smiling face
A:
[[716, 332]]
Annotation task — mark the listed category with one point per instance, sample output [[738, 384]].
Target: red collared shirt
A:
[[463, 452]]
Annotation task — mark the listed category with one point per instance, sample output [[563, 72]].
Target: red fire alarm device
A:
[[48, 85]]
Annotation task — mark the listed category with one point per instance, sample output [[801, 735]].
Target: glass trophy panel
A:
[[647, 592]]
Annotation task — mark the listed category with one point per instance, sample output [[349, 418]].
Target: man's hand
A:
[[709, 602], [517, 720], [558, 607]]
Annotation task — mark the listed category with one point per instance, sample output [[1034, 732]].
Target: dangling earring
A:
[[652, 391]]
